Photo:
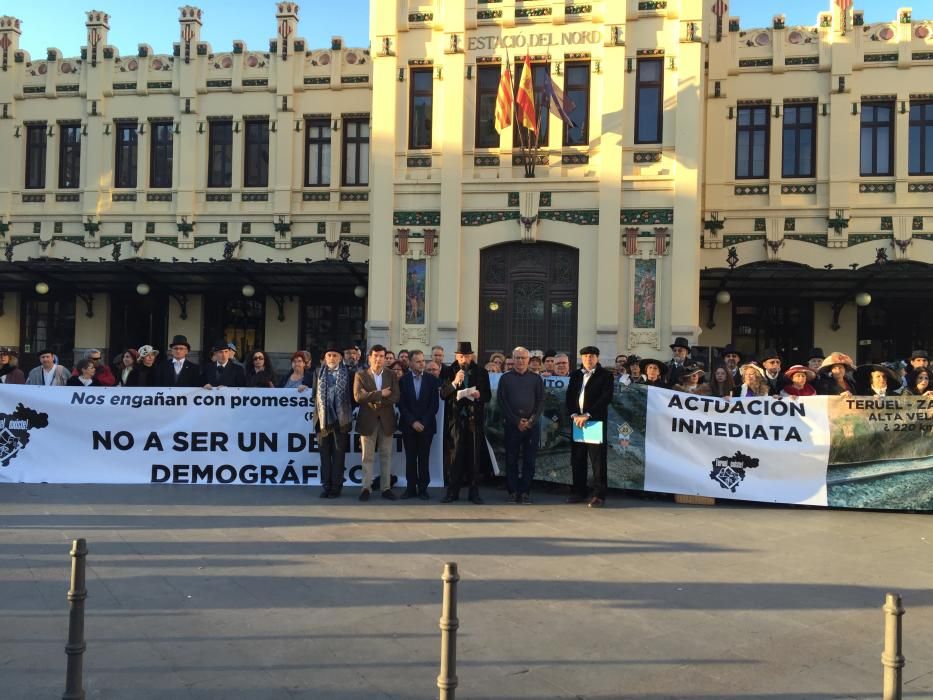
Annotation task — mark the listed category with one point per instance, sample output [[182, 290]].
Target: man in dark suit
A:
[[224, 372], [680, 351], [178, 371], [375, 389], [589, 393], [417, 407], [465, 388], [731, 359]]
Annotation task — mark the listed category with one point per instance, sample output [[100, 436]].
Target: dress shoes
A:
[[325, 494], [475, 497], [333, 494], [451, 496], [389, 495], [526, 500], [424, 496], [511, 499], [408, 493], [364, 495]]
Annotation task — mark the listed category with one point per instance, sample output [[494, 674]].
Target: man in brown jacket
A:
[[377, 393]]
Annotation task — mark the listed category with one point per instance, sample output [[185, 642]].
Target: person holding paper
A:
[[465, 388], [589, 393], [521, 401]]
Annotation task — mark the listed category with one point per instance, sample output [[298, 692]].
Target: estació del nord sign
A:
[[531, 41]]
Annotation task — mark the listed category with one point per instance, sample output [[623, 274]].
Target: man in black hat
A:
[[179, 370], [224, 372], [465, 388], [680, 351], [589, 393], [815, 359], [731, 359], [770, 361], [919, 359]]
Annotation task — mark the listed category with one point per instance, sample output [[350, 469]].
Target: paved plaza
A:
[[244, 592]]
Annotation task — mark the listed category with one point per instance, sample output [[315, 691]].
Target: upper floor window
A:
[[420, 107], [220, 154], [877, 139], [520, 134], [356, 152], [920, 143], [577, 93], [649, 100], [799, 155], [35, 156], [69, 156], [124, 162], [317, 153], [256, 153], [160, 154], [751, 142], [487, 90]]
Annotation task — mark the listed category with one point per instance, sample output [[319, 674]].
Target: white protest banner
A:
[[178, 436], [757, 449]]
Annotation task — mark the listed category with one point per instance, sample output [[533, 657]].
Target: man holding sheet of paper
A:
[[588, 396]]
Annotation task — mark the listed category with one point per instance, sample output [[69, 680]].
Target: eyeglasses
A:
[[258, 357], [95, 359]]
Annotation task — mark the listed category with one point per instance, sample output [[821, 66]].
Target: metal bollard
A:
[[891, 658], [447, 680], [74, 676]]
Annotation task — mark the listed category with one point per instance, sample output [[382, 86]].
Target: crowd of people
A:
[[402, 392]]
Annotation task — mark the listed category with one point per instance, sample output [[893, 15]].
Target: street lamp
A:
[[142, 289], [862, 299], [249, 291], [42, 288]]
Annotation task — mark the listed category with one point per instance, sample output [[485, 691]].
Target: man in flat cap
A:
[[465, 388], [919, 359], [589, 393]]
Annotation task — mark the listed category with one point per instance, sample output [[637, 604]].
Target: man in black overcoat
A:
[[223, 372], [465, 389], [178, 370]]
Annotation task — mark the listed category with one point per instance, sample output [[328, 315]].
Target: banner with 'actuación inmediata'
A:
[[175, 436]]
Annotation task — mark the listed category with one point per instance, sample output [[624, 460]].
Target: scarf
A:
[[339, 391]]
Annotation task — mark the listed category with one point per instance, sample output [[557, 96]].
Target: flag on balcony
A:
[[504, 100], [525, 99], [558, 103]]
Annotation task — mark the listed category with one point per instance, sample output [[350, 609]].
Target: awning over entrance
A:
[[891, 280], [282, 279]]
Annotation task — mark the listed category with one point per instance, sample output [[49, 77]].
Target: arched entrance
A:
[[528, 296]]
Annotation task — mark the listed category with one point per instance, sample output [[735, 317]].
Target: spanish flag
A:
[[504, 100], [525, 99]]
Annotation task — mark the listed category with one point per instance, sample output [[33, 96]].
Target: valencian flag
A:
[[504, 100], [525, 99], [558, 103]]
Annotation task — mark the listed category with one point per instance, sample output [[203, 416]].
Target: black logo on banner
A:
[[14, 431], [730, 471]]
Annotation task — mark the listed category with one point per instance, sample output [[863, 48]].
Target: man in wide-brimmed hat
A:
[[179, 370], [815, 359], [877, 380], [770, 362], [680, 351], [731, 359], [465, 388]]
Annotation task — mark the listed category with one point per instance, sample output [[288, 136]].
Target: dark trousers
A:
[[333, 450], [464, 468], [580, 452], [527, 443], [417, 459]]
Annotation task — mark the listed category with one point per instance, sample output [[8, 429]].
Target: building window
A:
[[256, 156], [220, 154], [420, 106], [69, 156], [649, 100], [519, 133], [799, 156], [356, 152], [160, 154], [124, 163], [317, 153], [35, 156], [877, 139], [751, 142], [487, 90], [577, 92], [920, 160]]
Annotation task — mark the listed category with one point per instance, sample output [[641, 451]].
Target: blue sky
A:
[[60, 23]]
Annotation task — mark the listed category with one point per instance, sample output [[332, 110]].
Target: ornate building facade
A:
[[715, 183]]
